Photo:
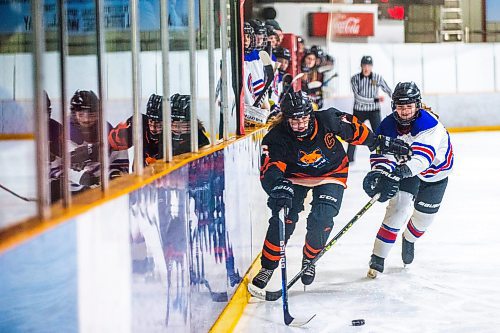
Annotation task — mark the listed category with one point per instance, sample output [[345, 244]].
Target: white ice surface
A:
[[453, 284], [17, 173]]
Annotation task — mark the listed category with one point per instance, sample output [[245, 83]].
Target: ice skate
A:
[[308, 277], [262, 278], [407, 252], [376, 266]]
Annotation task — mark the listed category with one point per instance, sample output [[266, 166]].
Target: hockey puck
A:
[[358, 322]]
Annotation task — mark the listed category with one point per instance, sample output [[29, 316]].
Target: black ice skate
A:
[[407, 252], [262, 278], [308, 277], [376, 266]]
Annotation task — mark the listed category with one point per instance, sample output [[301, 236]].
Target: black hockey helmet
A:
[[296, 105], [271, 31], [259, 29], [248, 30], [180, 106], [282, 52], [366, 60], [406, 93], [317, 51], [274, 24], [84, 100], [154, 109]]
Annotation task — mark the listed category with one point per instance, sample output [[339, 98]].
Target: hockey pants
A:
[[325, 205]]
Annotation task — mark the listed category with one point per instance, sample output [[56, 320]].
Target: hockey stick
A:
[[330, 78], [275, 295], [290, 85], [16, 195], [289, 320], [268, 69]]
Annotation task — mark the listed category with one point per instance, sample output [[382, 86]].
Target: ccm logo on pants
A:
[[327, 197]]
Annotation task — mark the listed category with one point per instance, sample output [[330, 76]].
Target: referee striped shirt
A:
[[365, 89]]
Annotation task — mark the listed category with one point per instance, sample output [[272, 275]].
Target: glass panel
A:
[[17, 145]]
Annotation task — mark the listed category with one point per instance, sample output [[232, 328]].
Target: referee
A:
[[365, 87]]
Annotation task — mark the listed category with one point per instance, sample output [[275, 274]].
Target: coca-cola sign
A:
[[342, 24], [352, 24]]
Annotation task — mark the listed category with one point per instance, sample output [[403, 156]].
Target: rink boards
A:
[[166, 257]]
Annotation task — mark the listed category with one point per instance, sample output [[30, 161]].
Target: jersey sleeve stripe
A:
[[423, 146], [424, 153]]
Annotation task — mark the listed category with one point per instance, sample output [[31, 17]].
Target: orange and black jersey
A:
[[120, 138], [314, 160]]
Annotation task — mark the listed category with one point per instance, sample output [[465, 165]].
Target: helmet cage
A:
[[404, 94], [154, 109], [248, 30], [296, 105], [180, 106]]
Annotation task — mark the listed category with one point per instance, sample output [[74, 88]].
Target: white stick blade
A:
[[265, 58]]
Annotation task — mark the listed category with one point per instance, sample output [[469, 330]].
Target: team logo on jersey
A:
[[329, 140], [250, 85], [314, 159]]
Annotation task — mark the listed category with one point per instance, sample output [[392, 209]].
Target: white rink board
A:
[[475, 64]]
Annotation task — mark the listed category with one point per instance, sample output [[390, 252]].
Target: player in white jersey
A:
[[254, 77], [414, 188]]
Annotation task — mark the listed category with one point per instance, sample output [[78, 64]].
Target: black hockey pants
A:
[[326, 202]]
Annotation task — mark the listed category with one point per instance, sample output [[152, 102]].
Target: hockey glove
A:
[[89, 179], [85, 153], [281, 195], [387, 145], [383, 182]]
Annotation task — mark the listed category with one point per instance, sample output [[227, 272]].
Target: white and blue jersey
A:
[[254, 77], [432, 158]]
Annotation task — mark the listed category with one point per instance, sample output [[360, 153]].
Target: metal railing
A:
[[42, 149]]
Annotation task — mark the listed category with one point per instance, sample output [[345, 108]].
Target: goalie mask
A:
[[405, 94], [298, 112]]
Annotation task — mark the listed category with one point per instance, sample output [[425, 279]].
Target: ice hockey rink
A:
[[453, 285]]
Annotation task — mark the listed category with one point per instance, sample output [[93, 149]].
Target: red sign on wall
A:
[[343, 24]]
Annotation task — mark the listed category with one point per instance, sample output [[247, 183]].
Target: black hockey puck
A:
[[358, 322]]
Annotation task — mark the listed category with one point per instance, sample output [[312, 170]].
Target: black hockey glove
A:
[[387, 145], [281, 195], [384, 182], [85, 153], [89, 179]]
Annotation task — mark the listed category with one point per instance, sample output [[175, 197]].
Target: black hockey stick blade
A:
[[263, 294]]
